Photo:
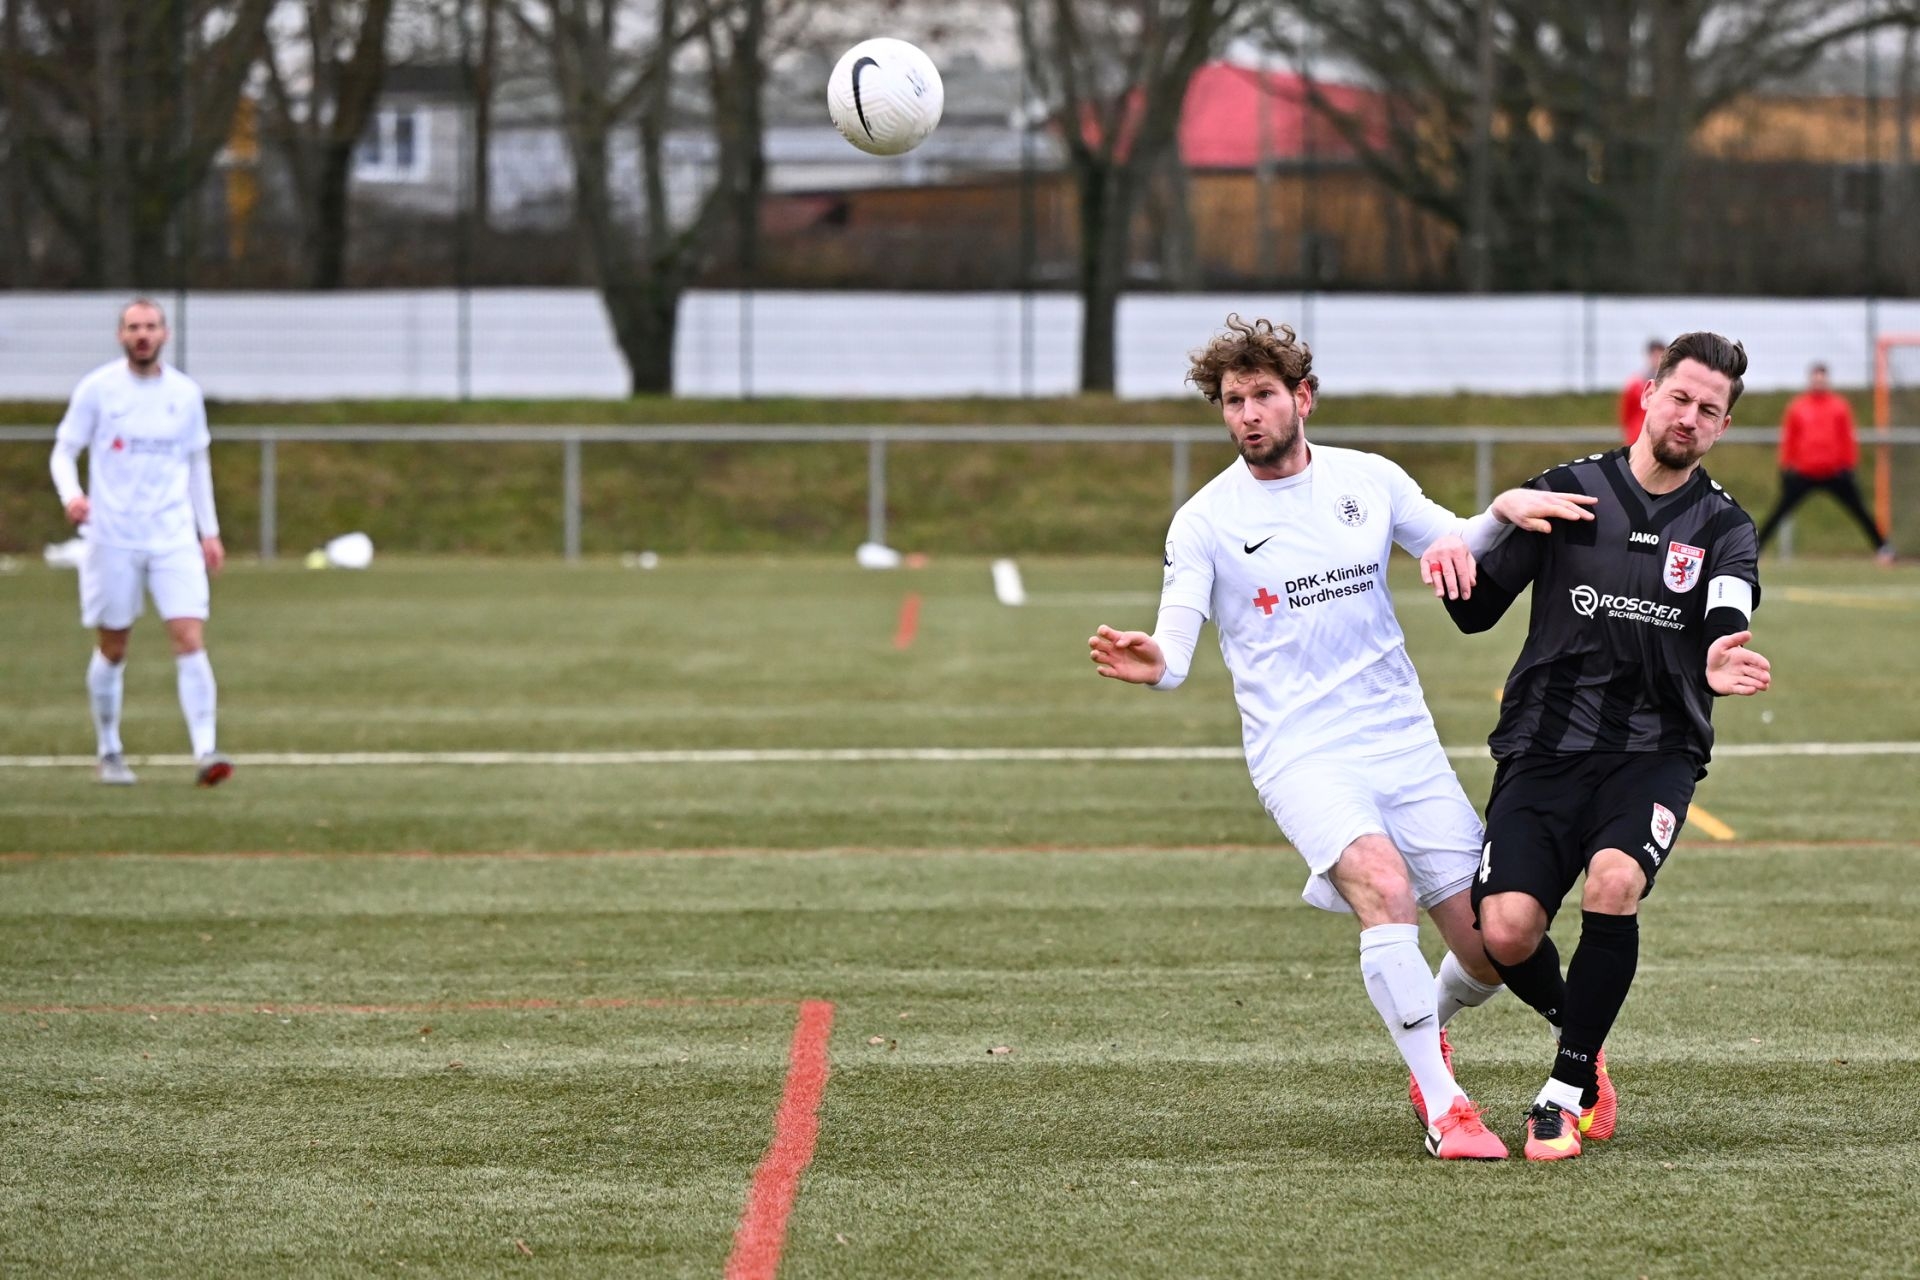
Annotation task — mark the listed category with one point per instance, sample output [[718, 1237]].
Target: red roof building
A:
[[1235, 113]]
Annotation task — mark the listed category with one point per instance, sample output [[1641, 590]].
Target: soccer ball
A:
[[885, 96]]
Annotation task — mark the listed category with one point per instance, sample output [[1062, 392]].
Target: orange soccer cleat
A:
[[1459, 1135], [1552, 1134], [1596, 1121], [1413, 1083]]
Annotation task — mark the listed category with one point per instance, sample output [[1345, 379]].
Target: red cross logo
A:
[[1266, 601]]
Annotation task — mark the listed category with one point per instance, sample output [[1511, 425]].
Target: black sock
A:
[[1598, 978], [1537, 981]]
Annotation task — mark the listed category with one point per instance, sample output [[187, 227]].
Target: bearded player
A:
[[1639, 620], [148, 518], [1286, 550]]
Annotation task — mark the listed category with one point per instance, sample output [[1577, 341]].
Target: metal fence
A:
[[1178, 439]]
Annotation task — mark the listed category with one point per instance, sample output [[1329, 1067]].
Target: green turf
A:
[[1196, 1083]]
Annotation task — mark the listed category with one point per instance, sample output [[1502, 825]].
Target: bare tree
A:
[[480, 58], [1115, 73], [118, 112], [1555, 133], [343, 65], [736, 79], [618, 66], [15, 257]]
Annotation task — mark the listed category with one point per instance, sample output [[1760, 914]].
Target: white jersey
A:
[[139, 434], [1294, 575]]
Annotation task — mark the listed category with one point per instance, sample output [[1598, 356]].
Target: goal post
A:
[[1896, 403]]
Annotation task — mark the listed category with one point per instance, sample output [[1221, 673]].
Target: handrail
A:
[[714, 433], [876, 438]]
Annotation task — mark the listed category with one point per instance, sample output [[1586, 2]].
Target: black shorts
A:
[[1549, 814]]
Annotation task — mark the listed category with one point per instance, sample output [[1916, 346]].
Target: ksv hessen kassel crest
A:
[[1683, 566], [1662, 826]]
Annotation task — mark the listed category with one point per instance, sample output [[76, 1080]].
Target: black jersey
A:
[[1615, 658]]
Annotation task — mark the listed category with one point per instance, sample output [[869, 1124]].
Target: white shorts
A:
[[1412, 797], [112, 578]]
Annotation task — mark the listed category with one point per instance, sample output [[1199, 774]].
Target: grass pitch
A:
[[246, 1035]]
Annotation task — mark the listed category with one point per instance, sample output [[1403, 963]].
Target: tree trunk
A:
[[16, 260], [1658, 234], [113, 265], [749, 164], [483, 115], [641, 308], [645, 315], [1106, 225], [327, 223]]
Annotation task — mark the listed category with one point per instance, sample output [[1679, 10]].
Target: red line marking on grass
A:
[[909, 621], [762, 1234], [530, 1004]]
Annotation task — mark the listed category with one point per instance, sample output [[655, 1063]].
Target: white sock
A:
[[1456, 989], [198, 695], [1561, 1094], [1401, 987], [106, 683]]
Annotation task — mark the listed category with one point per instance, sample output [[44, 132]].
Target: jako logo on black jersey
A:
[[1587, 603], [1648, 539]]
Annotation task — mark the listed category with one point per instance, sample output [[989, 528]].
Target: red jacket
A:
[[1631, 414], [1816, 436]]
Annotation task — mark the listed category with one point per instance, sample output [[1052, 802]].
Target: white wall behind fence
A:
[[541, 343]]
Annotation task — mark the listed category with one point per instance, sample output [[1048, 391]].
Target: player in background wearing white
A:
[[150, 527], [1287, 550]]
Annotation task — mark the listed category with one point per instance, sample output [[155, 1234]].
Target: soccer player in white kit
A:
[[1286, 550], [150, 527]]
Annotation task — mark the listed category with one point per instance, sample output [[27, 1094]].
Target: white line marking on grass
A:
[[825, 755], [843, 755]]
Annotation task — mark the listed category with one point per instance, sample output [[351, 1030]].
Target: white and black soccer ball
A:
[[885, 96]]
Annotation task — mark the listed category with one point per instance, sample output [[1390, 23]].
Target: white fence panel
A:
[[875, 344], [541, 343]]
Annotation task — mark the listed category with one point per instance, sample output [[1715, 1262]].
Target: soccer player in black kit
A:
[[1639, 619]]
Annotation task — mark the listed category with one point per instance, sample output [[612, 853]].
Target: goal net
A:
[[1890, 454]]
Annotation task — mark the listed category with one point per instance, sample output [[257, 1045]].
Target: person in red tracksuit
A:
[[1632, 412], [1818, 451]]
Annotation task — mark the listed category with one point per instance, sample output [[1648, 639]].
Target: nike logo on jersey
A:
[[1251, 547]]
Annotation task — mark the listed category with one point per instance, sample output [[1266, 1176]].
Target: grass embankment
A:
[[505, 499]]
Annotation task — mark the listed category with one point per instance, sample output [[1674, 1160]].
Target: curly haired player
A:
[[1286, 550]]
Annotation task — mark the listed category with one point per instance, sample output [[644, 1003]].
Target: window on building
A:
[[394, 147]]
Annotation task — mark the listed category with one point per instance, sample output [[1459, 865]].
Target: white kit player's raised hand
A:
[[1535, 509], [1133, 656], [1734, 669], [1447, 566]]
